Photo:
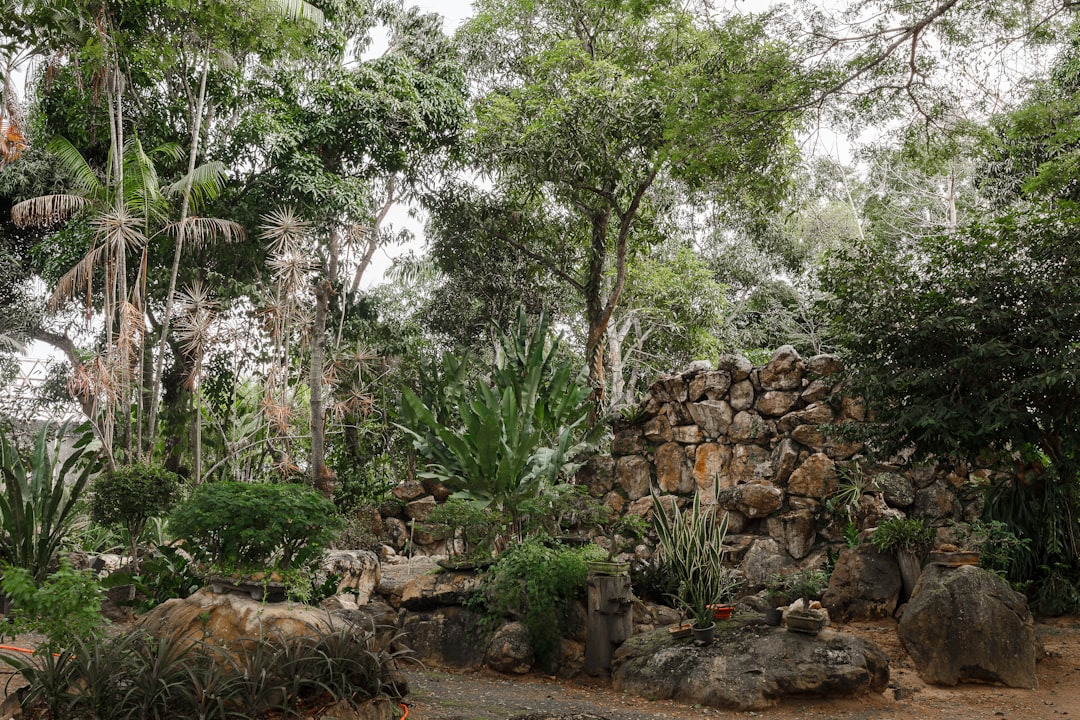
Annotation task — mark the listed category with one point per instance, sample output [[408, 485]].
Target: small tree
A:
[[129, 496]]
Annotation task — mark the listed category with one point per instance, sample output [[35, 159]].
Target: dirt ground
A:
[[481, 696]]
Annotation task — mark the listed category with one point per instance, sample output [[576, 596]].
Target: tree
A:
[[584, 106], [967, 344]]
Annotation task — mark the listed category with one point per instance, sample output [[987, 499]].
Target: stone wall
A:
[[754, 437]]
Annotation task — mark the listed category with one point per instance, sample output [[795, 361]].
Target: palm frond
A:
[[132, 330], [47, 210], [78, 276], [206, 182], [284, 230], [120, 229], [198, 230], [78, 170], [298, 10]]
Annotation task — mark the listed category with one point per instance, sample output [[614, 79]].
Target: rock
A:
[[394, 578], [750, 463], [376, 617], [597, 475], [410, 490], [420, 509], [741, 395], [711, 460], [753, 500], [815, 478], [795, 531], [233, 619], [712, 385], [784, 458], [687, 434], [749, 666], [614, 502], [775, 402], [377, 709], [809, 436], [428, 592], [864, 585], [632, 473], [816, 391], [966, 623], [899, 492], [509, 650], [658, 429], [712, 416], [396, 532], [764, 559], [936, 502], [359, 572], [447, 637], [628, 441], [437, 490], [673, 472], [736, 366], [824, 365], [784, 370], [666, 390], [748, 426]]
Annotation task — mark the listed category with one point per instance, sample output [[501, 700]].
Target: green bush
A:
[[128, 497], [537, 582], [65, 607], [254, 526]]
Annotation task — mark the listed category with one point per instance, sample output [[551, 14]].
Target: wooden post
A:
[[610, 620]]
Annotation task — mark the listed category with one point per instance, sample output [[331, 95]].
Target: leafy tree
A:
[[968, 345], [128, 497], [584, 107]]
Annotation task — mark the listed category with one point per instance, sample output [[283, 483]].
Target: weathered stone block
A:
[[658, 429], [712, 385], [687, 434], [750, 463], [815, 477], [748, 426], [736, 366], [785, 457], [673, 473], [712, 416], [632, 473], [741, 395], [629, 441], [776, 402], [795, 531], [711, 460], [784, 371]]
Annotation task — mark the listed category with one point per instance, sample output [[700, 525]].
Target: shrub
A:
[[65, 607], [254, 526], [129, 496], [537, 582], [903, 534]]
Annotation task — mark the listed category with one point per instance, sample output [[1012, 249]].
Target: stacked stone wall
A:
[[755, 440]]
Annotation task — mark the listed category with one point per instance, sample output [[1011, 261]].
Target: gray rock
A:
[[936, 502], [784, 370], [750, 463], [674, 472], [748, 426], [658, 429], [736, 366], [712, 385], [447, 637], [439, 590], [598, 475], [776, 402], [795, 531], [712, 416], [420, 509], [864, 585], [359, 571], [899, 491], [509, 650], [754, 500], [741, 395], [823, 365], [815, 478], [629, 441], [632, 473], [966, 623], [749, 666]]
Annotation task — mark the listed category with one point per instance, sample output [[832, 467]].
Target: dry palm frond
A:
[[197, 230], [284, 231], [120, 230], [12, 141], [78, 276], [277, 414], [47, 210], [197, 312], [132, 330], [290, 271]]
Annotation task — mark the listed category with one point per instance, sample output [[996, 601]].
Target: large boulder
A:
[[509, 650], [749, 666], [967, 624], [864, 585], [428, 592], [448, 637], [358, 573]]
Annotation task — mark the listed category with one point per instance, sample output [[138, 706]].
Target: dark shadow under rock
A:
[[749, 666]]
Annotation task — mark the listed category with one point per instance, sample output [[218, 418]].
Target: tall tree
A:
[[583, 106]]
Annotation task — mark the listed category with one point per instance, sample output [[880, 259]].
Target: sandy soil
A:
[[478, 696]]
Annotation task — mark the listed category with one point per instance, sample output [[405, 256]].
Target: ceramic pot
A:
[[773, 616], [703, 635]]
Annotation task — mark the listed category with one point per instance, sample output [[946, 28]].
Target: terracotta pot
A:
[[721, 612]]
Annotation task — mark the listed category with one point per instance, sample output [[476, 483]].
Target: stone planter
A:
[[609, 568], [806, 623]]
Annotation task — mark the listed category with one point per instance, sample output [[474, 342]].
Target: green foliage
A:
[[807, 583], [909, 535], [129, 496], [691, 548], [65, 607], [475, 526], [500, 441], [844, 503], [39, 498], [537, 581], [254, 526], [135, 675], [165, 574]]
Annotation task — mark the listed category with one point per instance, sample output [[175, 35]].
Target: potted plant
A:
[[776, 594], [622, 534], [910, 539], [254, 537], [807, 585]]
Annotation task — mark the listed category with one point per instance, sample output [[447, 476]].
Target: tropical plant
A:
[[503, 439], [40, 498], [691, 547], [244, 527], [806, 584]]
